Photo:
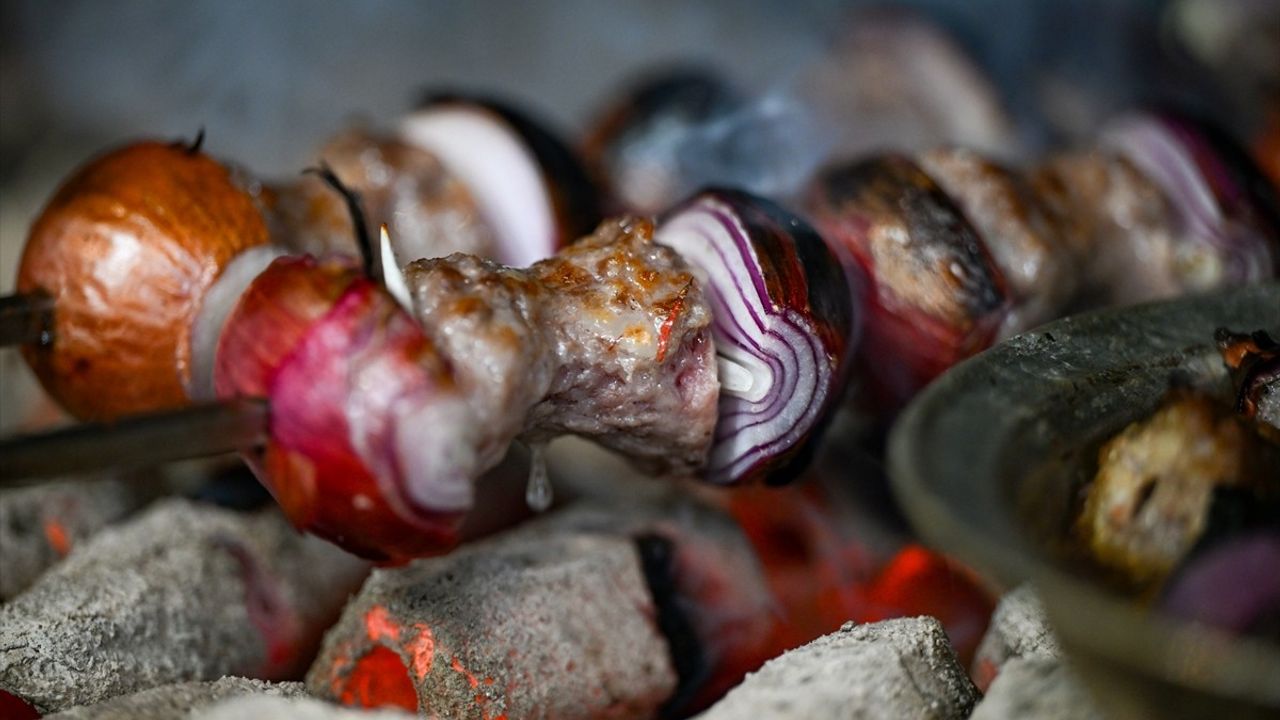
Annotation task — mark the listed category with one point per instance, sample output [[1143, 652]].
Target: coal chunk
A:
[[182, 592], [39, 525], [1018, 628], [179, 700], [266, 707], [1035, 688], [893, 669]]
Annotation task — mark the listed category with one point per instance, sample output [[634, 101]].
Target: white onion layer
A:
[[217, 305], [500, 172], [392, 273]]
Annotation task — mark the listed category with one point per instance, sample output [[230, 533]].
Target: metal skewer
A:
[[26, 319], [197, 431]]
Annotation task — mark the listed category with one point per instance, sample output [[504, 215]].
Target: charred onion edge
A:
[[1254, 359], [783, 320]]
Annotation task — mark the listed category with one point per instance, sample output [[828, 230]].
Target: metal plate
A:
[[986, 462]]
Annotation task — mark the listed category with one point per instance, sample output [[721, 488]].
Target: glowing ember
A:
[[56, 533], [379, 679]]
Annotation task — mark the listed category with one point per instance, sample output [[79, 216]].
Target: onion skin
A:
[[127, 248], [806, 290], [1243, 187], [575, 198], [316, 338], [933, 295]]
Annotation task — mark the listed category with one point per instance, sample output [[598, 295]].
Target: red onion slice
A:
[[933, 293], [1222, 203], [1233, 586], [530, 188], [783, 323], [365, 424]]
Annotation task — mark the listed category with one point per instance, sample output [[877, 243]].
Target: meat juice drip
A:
[[538, 492]]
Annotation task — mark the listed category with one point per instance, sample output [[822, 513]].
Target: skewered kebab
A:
[[460, 174], [1165, 204], [626, 358], [959, 252], [887, 79], [933, 207], [377, 417], [136, 258]]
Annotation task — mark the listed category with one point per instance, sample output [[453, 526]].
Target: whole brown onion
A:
[[127, 248]]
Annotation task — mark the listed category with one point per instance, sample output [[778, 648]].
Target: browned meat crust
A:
[[609, 340]]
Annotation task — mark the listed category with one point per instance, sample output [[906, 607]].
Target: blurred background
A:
[[269, 81]]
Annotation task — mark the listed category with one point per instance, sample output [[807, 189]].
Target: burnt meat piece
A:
[[1017, 230], [1150, 500]]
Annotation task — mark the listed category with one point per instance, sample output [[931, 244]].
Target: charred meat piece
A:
[[1016, 228], [1254, 362], [933, 294], [1117, 223], [459, 174], [607, 340], [1150, 499]]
